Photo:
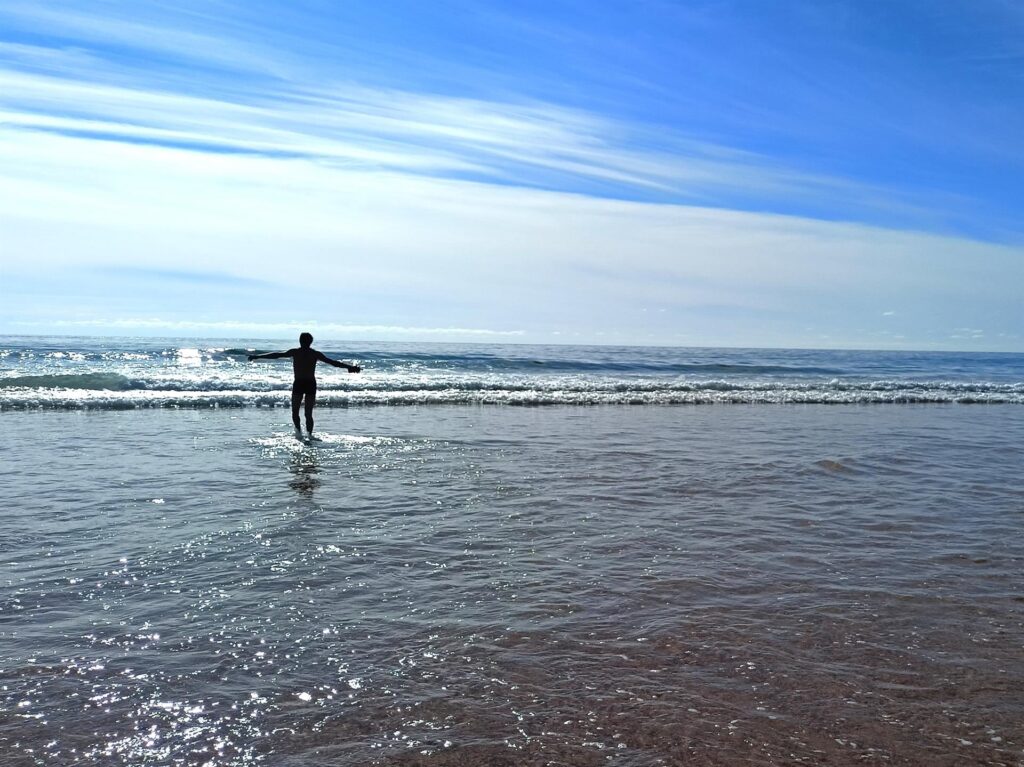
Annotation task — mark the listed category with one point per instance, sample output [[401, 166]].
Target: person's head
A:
[[306, 340]]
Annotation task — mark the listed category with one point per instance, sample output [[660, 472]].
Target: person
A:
[[304, 360]]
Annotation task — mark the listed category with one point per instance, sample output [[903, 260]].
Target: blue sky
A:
[[827, 173]]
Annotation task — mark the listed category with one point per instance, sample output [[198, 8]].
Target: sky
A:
[[816, 173]]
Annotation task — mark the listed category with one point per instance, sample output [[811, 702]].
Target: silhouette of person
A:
[[304, 360]]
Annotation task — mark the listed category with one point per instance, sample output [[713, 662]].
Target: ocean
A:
[[510, 555], [103, 373]]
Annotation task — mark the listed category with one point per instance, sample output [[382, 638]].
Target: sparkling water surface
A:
[[127, 373], [458, 582], [483, 585]]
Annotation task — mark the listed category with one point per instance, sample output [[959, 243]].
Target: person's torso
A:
[[304, 364]]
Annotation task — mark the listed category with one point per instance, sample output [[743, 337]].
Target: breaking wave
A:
[[115, 392], [84, 373], [80, 381]]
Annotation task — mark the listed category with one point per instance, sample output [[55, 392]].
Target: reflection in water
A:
[[304, 469]]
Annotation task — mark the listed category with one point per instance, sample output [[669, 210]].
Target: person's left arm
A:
[[270, 355], [324, 358]]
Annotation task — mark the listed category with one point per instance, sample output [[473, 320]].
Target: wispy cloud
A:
[[529, 143], [191, 277], [273, 329], [143, 27], [701, 183], [375, 250]]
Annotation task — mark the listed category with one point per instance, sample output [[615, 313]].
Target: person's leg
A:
[[310, 402], [296, 401]]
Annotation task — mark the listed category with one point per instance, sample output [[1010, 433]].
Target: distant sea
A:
[[547, 555], [70, 373]]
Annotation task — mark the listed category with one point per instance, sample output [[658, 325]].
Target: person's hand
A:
[[354, 369]]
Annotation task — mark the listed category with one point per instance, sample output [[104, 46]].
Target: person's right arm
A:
[[351, 368]]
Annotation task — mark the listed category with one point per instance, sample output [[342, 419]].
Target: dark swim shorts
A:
[[304, 388]]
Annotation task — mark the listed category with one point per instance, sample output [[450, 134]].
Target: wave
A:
[[679, 368], [404, 381], [86, 381], [534, 393], [183, 373], [107, 356], [436, 361], [140, 357]]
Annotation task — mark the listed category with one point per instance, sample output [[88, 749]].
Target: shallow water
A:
[[505, 586]]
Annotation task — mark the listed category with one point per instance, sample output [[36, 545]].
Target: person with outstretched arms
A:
[[304, 359]]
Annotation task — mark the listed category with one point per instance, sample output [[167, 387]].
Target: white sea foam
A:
[[522, 393], [128, 374]]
